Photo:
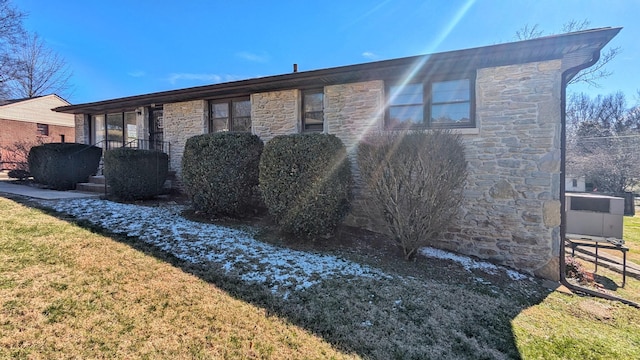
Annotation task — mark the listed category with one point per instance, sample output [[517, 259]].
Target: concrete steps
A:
[[96, 184]]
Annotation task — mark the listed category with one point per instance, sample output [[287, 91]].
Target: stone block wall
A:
[[275, 113], [351, 112], [511, 213], [82, 129], [181, 121]]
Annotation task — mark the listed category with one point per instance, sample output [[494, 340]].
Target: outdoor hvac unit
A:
[[594, 215]]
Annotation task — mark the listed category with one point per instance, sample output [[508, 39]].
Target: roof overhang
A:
[[460, 61]]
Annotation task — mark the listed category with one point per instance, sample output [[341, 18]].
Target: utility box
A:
[[594, 215]]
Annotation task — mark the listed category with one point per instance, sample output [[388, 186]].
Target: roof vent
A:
[[295, 68]]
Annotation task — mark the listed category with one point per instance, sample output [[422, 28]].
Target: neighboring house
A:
[[506, 100], [575, 183], [31, 121]]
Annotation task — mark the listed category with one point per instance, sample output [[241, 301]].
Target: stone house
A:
[[507, 101], [32, 121]]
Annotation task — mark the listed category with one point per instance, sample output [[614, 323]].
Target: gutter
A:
[[567, 75]]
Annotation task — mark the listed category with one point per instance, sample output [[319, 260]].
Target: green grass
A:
[[631, 236], [68, 292], [573, 327]]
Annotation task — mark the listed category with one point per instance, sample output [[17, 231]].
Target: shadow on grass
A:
[[443, 311]]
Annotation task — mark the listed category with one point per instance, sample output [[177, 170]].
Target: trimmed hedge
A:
[[63, 165], [220, 173], [305, 180], [135, 174]]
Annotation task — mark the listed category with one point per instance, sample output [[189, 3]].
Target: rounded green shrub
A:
[[220, 173], [62, 165], [135, 174], [305, 181]]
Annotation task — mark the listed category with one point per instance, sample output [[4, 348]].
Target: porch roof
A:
[[450, 62]]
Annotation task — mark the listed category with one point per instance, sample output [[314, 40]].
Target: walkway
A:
[[46, 194]]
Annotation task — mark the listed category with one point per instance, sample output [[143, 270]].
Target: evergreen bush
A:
[[220, 173], [305, 181], [62, 165], [134, 173]]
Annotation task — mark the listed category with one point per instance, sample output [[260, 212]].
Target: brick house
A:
[[506, 100], [32, 121]]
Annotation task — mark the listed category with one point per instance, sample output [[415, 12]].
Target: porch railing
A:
[[143, 144]]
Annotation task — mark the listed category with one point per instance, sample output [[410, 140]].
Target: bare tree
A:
[[589, 76], [529, 32], [11, 35], [602, 142], [40, 71]]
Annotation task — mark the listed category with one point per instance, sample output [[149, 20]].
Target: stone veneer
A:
[[182, 121], [511, 211], [275, 113]]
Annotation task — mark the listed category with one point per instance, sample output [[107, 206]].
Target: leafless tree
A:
[[11, 36], [40, 71], [603, 141], [589, 76]]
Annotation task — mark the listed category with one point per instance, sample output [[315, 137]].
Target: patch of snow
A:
[[470, 264], [234, 251]]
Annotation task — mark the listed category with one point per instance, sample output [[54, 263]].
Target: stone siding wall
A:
[[275, 113], [182, 121], [511, 213], [351, 112], [82, 128]]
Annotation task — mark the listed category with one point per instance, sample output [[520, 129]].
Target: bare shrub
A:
[[414, 181], [14, 156]]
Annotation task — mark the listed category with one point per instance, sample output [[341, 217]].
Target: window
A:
[[42, 129], [574, 183], [230, 115], [313, 110], [433, 104], [114, 129]]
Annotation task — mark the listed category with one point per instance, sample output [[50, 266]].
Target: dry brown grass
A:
[[68, 293]]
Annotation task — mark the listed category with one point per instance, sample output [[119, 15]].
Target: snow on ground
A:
[[235, 251], [469, 263]]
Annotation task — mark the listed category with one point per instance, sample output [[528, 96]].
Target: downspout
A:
[[566, 77]]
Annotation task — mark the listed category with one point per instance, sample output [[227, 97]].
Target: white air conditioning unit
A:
[[594, 215]]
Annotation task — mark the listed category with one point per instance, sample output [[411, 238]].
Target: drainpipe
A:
[[563, 217]]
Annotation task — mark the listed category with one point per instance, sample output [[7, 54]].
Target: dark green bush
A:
[[19, 174], [305, 180], [135, 174], [414, 183], [63, 165], [220, 172]]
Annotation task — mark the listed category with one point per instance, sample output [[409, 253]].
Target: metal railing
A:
[[142, 144]]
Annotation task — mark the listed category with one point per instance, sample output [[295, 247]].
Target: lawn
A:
[[70, 288]]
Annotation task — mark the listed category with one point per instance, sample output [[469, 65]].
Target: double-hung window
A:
[[446, 103], [313, 110], [230, 115]]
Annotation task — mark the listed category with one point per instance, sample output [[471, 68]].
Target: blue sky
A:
[[119, 48]]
